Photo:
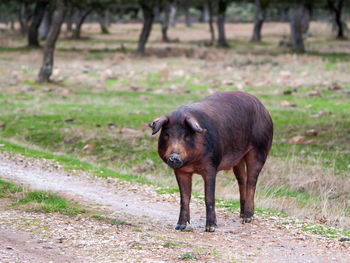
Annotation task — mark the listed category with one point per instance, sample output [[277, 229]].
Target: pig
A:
[[227, 130]]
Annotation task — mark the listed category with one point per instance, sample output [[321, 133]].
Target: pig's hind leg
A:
[[254, 164], [184, 181], [241, 176]]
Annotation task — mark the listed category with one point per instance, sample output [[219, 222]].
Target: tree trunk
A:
[[187, 14], [80, 22], [284, 14], [33, 33], [49, 47], [103, 19], [336, 7], [12, 26], [148, 18], [69, 19], [222, 5], [22, 17], [46, 23], [204, 18], [296, 26], [211, 27], [306, 18], [165, 22], [259, 21], [172, 18]]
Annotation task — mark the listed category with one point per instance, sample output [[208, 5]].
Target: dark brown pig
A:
[[228, 130]]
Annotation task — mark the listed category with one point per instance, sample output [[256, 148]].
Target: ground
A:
[[146, 230], [91, 122]]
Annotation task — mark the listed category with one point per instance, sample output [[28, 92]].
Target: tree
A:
[[46, 22], [104, 20], [261, 6], [49, 47], [165, 20], [296, 24], [148, 18], [69, 18], [173, 11], [82, 14], [222, 6], [24, 14], [336, 7], [186, 8], [33, 33], [211, 27]]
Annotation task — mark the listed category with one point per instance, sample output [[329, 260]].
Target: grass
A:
[[108, 220], [49, 202], [71, 163], [39, 201], [7, 189], [188, 256], [298, 179]]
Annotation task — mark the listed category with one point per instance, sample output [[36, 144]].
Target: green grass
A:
[[39, 201], [302, 198], [49, 202], [70, 163], [169, 245], [7, 189], [187, 256], [109, 220]]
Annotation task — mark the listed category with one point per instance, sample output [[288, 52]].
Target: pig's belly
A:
[[230, 160]]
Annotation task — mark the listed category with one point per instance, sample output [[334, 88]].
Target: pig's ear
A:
[[193, 123], [158, 123]]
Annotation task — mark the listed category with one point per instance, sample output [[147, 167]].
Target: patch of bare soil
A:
[[148, 235], [18, 246]]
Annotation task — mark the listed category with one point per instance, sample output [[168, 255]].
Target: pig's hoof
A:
[[180, 227], [247, 220], [241, 215], [210, 229]]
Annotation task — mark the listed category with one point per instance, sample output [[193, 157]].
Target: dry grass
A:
[[304, 190]]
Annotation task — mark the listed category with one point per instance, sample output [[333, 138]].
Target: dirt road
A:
[[149, 234]]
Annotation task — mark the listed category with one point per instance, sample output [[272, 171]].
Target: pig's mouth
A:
[[175, 161]]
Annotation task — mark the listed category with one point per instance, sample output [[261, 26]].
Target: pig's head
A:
[[181, 140]]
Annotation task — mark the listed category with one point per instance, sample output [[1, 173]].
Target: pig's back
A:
[[236, 121]]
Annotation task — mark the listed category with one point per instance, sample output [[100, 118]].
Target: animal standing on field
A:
[[228, 130]]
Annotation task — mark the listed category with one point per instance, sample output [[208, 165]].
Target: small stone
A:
[[87, 147], [227, 82], [315, 93], [70, 120], [335, 86], [311, 133], [111, 125], [287, 92], [65, 93], [285, 74], [297, 140], [136, 88], [344, 239], [284, 103], [308, 142]]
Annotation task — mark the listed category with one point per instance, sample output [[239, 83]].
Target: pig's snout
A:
[[175, 161]]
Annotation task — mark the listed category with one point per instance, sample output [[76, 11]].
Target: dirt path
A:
[[155, 216]]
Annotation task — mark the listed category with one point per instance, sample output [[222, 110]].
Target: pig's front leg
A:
[[209, 185], [184, 181]]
